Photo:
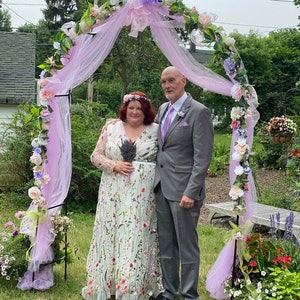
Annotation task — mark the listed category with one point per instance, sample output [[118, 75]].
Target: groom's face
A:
[[173, 84]]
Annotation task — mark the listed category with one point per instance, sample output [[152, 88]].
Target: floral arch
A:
[[80, 50]]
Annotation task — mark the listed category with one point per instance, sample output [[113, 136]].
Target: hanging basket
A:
[[281, 138]]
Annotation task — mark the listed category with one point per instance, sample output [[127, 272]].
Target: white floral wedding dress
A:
[[123, 256]]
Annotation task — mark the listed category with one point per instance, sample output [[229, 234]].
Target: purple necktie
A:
[[167, 122]]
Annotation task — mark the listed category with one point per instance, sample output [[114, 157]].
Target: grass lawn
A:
[[79, 237]]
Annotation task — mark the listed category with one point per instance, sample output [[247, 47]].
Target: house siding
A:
[[17, 67]]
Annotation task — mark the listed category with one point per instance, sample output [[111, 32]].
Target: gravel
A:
[[217, 188]]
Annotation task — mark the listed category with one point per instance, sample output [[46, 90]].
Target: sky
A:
[[262, 16]]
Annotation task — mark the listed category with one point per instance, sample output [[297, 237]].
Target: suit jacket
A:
[[184, 156]]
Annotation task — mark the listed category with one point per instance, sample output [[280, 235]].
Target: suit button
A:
[[161, 166]]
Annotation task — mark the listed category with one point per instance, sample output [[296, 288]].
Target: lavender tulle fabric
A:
[[82, 61], [222, 267]]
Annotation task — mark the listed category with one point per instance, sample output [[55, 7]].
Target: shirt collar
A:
[[177, 105]]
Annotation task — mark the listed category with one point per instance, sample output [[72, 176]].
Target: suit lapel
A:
[[184, 108]]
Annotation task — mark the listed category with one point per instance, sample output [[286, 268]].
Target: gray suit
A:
[[182, 162]]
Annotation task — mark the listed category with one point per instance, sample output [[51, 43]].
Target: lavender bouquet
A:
[[128, 152]]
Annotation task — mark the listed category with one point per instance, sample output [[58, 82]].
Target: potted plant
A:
[[281, 129]]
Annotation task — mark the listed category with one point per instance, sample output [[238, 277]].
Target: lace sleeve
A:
[[98, 157]]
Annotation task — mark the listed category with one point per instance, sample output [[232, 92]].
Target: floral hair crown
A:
[[131, 97]]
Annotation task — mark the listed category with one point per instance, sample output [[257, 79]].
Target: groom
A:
[[185, 149]]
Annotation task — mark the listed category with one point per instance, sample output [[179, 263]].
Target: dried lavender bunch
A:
[[128, 150]]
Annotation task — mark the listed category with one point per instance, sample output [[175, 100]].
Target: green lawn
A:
[[79, 237]]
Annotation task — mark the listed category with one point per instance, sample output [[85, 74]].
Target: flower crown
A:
[[131, 97]]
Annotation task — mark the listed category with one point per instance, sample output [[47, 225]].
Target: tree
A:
[[133, 64], [59, 12], [56, 14], [5, 20]]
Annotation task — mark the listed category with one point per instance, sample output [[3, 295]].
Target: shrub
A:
[[87, 120]]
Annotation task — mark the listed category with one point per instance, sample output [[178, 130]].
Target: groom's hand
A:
[[186, 202]]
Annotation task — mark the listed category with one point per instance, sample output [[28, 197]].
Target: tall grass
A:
[[210, 240]]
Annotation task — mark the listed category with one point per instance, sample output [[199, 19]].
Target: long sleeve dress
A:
[[123, 256]]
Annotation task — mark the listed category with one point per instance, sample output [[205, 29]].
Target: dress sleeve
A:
[[98, 157]]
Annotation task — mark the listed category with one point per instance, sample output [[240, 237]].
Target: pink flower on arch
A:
[[235, 124], [237, 92], [46, 95], [206, 19], [236, 192]]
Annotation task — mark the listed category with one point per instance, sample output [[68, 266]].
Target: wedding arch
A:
[[80, 49]]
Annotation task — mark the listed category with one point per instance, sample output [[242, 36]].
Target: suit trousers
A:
[[178, 245]]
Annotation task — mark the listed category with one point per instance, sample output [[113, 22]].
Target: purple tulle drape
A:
[[222, 267], [82, 61]]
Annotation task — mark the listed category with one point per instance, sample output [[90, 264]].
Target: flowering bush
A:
[[15, 246], [281, 125], [269, 267]]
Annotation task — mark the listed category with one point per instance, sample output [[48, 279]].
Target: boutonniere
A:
[[182, 112]]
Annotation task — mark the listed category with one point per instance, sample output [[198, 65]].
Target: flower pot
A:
[[281, 138]]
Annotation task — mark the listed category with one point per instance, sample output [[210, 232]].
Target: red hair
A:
[[146, 107]]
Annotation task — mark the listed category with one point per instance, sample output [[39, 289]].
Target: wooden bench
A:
[[261, 215]]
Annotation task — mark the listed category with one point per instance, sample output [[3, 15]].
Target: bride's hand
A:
[[109, 122], [123, 167]]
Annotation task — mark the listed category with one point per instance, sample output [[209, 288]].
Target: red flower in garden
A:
[[294, 153], [286, 259], [253, 263]]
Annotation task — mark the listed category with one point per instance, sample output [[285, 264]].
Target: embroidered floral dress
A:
[[123, 256]]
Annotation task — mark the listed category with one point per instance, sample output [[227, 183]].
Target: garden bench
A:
[[261, 215]]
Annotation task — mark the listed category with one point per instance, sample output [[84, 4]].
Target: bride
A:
[[123, 256]]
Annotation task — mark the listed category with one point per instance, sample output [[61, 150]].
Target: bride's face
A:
[[134, 113]]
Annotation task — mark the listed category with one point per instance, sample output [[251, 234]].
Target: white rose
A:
[[236, 156], [36, 159], [229, 41], [239, 170], [34, 193], [236, 113], [35, 143], [241, 141]]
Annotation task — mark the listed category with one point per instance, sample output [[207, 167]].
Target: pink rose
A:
[[95, 11], [46, 95], [241, 148], [45, 113], [194, 9], [204, 20], [235, 125], [235, 193], [237, 92]]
